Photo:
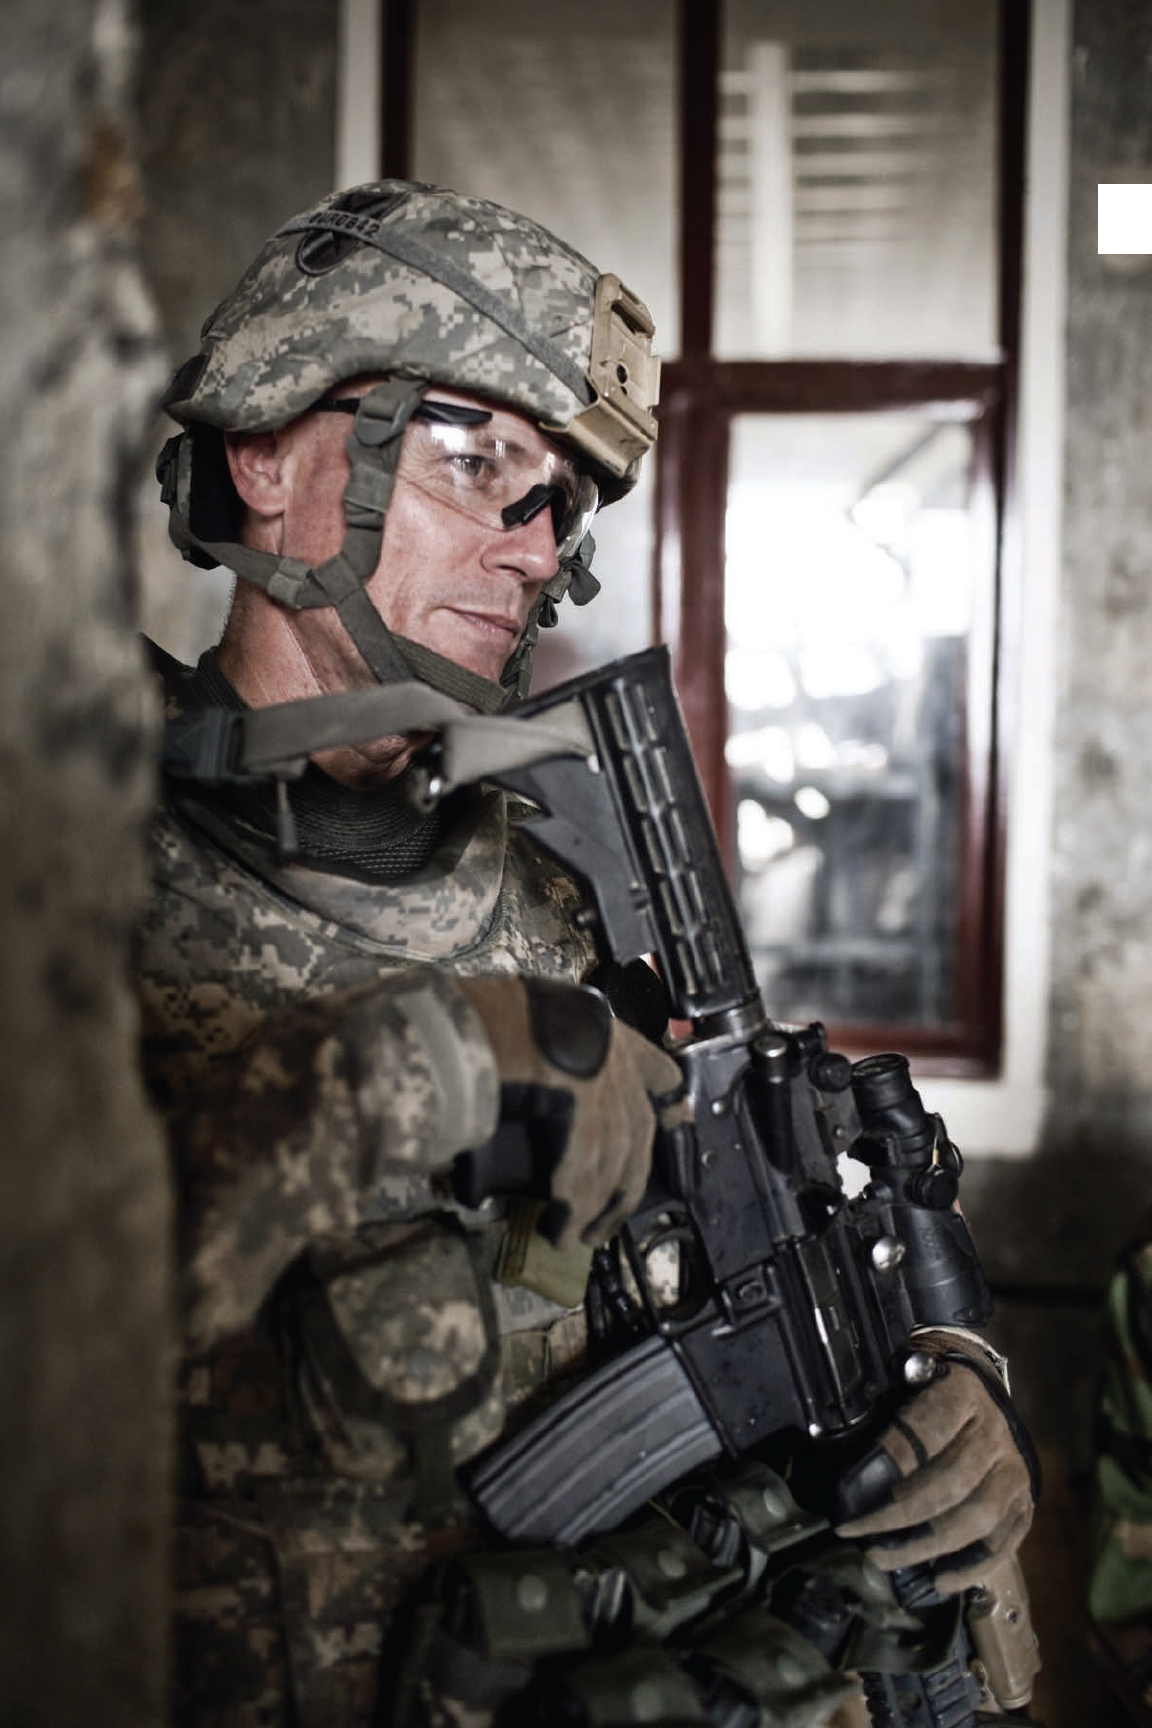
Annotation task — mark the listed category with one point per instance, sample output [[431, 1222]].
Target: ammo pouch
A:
[[543, 1635], [734, 1606], [751, 1668], [533, 1637], [637, 1625], [399, 1352]]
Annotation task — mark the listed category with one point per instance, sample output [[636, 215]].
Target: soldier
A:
[[396, 433]]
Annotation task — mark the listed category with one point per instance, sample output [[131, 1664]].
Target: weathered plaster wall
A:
[[238, 127], [1093, 1167], [84, 1427], [237, 116], [234, 124], [1101, 1026], [1054, 1221]]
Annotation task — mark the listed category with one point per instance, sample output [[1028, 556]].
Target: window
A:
[[826, 517], [833, 482], [852, 594]]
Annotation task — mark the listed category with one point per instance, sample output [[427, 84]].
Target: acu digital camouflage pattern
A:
[[343, 1068], [316, 308], [318, 1066]]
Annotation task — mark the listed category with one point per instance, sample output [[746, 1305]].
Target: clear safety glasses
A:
[[482, 464]]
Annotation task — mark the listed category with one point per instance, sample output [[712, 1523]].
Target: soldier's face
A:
[[447, 578]]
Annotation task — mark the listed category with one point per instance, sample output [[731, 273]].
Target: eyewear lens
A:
[[456, 454], [497, 479]]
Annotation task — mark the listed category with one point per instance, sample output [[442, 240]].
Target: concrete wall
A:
[[84, 1427], [1101, 1049], [1049, 1226], [237, 104], [233, 125], [237, 116]]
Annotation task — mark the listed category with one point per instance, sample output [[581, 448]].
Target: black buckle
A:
[[379, 421], [166, 469], [206, 747]]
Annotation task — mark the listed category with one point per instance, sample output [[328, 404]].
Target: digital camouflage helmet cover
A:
[[427, 287]]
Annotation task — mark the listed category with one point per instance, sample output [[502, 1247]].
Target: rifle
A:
[[748, 1300]]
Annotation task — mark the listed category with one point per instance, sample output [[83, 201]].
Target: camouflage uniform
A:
[[317, 1066], [351, 1333]]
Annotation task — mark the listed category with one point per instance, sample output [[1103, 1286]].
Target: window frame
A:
[[1003, 1111], [701, 394]]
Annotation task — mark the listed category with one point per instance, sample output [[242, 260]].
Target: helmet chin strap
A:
[[373, 448], [374, 452], [574, 577], [326, 721]]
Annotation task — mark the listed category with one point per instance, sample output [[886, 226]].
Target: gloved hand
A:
[[588, 1090], [953, 1480]]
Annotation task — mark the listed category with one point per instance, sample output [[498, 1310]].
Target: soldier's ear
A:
[[256, 464]]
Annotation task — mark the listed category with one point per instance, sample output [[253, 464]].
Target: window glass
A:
[[567, 112], [851, 546], [857, 179]]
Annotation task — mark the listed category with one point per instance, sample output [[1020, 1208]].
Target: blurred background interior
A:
[[898, 534]]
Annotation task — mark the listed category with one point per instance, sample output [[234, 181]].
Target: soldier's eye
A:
[[477, 471]]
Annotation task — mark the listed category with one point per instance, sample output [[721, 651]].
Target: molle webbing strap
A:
[[277, 737], [374, 452], [216, 746], [395, 243]]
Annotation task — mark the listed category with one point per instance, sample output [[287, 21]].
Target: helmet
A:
[[424, 286]]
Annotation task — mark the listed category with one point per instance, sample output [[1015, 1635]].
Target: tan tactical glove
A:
[[587, 1092], [953, 1480]]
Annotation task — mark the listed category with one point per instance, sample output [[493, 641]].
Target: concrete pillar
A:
[[1101, 1075], [237, 112], [84, 1216]]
